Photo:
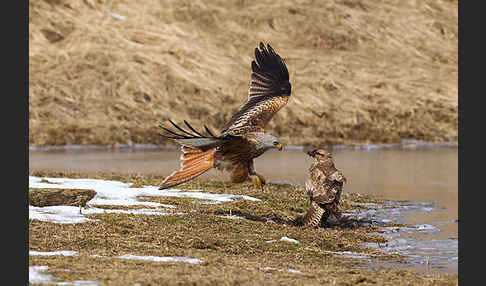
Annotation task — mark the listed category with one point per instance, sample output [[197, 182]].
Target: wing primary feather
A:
[[179, 136], [271, 50], [180, 129], [264, 52], [259, 57], [208, 131], [254, 67], [169, 137], [194, 130]]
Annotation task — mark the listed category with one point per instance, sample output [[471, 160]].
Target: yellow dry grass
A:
[[362, 71]]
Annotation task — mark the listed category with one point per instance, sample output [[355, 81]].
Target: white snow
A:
[[96, 255], [289, 240], [112, 193], [160, 259], [284, 238], [426, 227], [280, 269], [79, 283], [50, 253], [349, 254], [117, 16], [119, 193], [36, 277], [70, 214], [231, 216]]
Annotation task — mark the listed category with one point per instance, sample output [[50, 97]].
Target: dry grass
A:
[[362, 71], [233, 251]]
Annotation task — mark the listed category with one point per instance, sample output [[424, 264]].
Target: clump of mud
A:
[[40, 197]]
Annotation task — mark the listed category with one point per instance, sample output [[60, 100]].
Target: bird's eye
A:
[[275, 143]]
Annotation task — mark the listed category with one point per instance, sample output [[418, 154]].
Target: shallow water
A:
[[426, 177]]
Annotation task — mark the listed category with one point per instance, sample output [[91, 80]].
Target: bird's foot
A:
[[258, 180]]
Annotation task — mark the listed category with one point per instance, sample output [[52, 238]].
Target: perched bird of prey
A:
[[324, 187], [243, 138]]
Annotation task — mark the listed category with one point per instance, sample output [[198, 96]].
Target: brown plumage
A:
[[324, 187], [243, 138]]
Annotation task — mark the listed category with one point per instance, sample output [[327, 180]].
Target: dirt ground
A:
[[234, 252], [108, 72]]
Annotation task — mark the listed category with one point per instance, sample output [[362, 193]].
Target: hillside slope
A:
[[108, 72]]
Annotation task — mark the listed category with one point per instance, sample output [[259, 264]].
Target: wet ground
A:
[[422, 178]]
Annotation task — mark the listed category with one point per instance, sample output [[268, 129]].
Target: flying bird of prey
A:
[[324, 187], [243, 137]]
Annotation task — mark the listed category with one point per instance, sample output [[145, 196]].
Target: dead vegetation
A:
[[108, 72], [233, 251]]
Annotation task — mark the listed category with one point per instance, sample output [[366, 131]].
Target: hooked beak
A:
[[279, 147], [311, 153]]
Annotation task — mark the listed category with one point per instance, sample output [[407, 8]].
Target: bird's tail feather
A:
[[194, 163], [313, 216]]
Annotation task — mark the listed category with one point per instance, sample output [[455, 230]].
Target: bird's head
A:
[[319, 154], [268, 141]]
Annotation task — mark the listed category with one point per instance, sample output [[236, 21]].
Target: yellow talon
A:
[[256, 181], [259, 181], [262, 180]]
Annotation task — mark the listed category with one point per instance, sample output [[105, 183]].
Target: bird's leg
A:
[[324, 218], [257, 179], [262, 179], [336, 212]]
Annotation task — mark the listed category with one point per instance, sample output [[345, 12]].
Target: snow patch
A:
[[119, 193], [348, 254], [280, 269], [37, 277], [50, 253], [284, 238], [118, 16], [70, 214], [112, 193], [289, 240], [231, 216], [160, 259]]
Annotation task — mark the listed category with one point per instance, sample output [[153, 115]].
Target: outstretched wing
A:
[[269, 91]]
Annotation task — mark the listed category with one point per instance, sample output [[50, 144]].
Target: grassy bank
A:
[[233, 251], [108, 72]]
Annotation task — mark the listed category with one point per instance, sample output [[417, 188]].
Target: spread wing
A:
[[269, 91]]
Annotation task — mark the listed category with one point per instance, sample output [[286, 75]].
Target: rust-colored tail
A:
[[194, 163]]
